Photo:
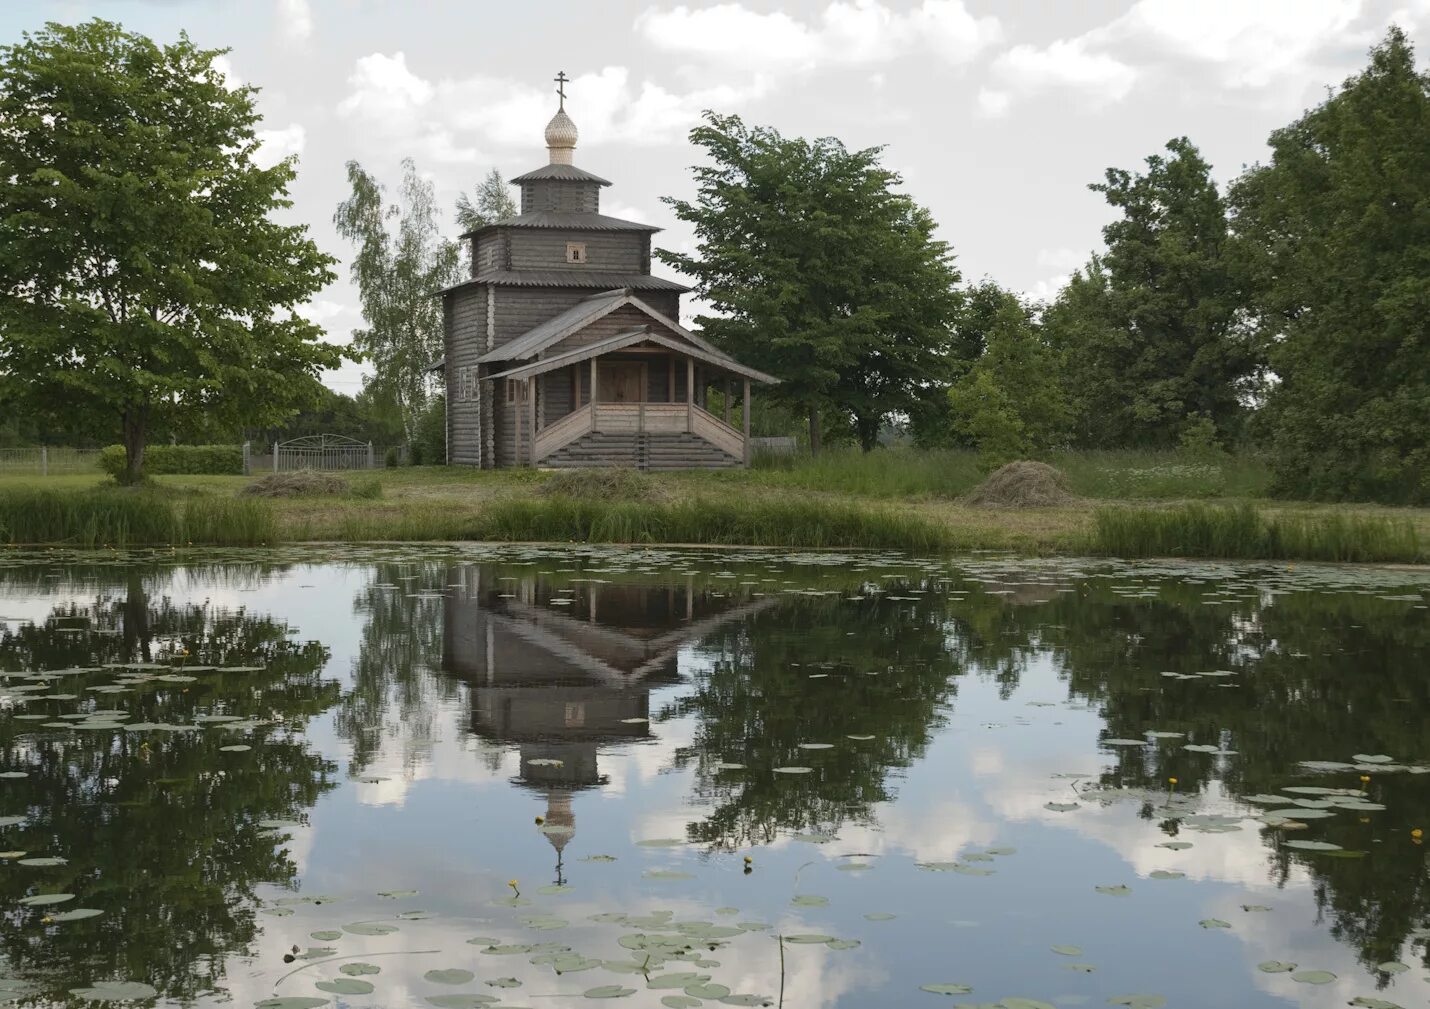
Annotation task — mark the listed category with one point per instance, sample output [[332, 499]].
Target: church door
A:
[[621, 381]]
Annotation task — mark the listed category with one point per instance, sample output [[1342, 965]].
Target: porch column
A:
[[729, 392], [689, 393], [531, 417], [747, 421], [593, 393], [670, 385]]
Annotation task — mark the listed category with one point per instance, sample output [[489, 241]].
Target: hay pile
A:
[[608, 484], [299, 483], [1022, 484]]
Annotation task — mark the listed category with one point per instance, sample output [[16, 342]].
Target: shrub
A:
[[160, 460]]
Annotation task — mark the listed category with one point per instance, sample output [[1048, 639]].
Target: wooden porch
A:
[[642, 419]]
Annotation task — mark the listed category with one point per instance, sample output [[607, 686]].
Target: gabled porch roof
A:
[[629, 339]]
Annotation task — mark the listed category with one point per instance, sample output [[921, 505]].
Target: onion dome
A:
[[560, 138]]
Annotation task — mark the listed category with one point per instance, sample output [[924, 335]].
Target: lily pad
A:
[[327, 935], [452, 975], [1118, 890], [77, 914], [808, 938], [679, 1002], [1313, 976], [1275, 967], [946, 989], [41, 899], [291, 1002], [1139, 1001], [1366, 1002], [809, 900], [879, 916], [710, 990], [1166, 874], [472, 1000], [1175, 845], [1214, 923], [608, 991], [1372, 758], [1068, 950], [793, 770], [1312, 845], [370, 928], [1392, 967], [116, 991], [345, 986], [1062, 807], [358, 969]]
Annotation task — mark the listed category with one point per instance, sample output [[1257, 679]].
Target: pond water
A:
[[459, 777]]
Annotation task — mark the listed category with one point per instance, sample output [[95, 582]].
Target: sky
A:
[[997, 115]]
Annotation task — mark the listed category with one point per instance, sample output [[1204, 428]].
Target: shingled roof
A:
[[596, 280], [559, 173], [567, 219]]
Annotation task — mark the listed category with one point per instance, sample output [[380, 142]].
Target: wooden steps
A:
[[660, 451]]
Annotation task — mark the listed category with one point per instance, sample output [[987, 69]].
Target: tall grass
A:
[[1245, 532], [121, 517], [800, 523], [948, 473]]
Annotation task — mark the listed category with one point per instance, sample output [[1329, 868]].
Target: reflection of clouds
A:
[[925, 833], [438, 749]]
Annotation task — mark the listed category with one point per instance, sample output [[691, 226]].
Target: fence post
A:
[[44, 460], [369, 455], [275, 457], [247, 450]]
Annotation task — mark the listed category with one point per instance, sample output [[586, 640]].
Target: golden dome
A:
[[560, 138]]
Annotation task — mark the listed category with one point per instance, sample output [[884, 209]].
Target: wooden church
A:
[[562, 350]]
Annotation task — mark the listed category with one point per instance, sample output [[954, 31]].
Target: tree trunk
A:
[[868, 430], [136, 429], [814, 439]]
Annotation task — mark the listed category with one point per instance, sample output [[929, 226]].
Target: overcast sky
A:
[[997, 115]]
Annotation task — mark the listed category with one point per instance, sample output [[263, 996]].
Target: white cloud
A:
[[1066, 260], [1065, 64], [224, 66], [383, 87], [846, 33], [993, 104], [275, 145], [1252, 44], [295, 19]]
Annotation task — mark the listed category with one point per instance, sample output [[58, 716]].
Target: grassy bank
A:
[[1247, 532], [114, 517], [1128, 505]]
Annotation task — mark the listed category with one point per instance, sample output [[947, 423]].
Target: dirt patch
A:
[[611, 484], [1023, 484], [299, 483]]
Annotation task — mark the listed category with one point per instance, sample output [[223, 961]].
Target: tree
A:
[[396, 275], [1009, 402], [1153, 333], [1336, 231], [818, 272], [141, 277], [493, 203]]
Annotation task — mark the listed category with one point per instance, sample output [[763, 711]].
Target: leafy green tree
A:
[[142, 278], [1153, 332], [819, 273], [396, 271], [491, 202], [1336, 232], [1008, 402]]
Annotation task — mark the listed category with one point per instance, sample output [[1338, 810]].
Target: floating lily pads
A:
[[1304, 845], [1214, 923], [879, 916], [1062, 807], [451, 975], [1392, 967], [1166, 874], [327, 935], [1372, 758], [291, 1002], [946, 989], [1175, 845], [473, 1000], [793, 770], [1275, 967], [78, 914], [808, 938], [1067, 950], [116, 991], [370, 928], [1313, 976], [345, 986], [809, 900], [608, 991], [41, 899], [1139, 1001], [359, 968], [1367, 1002], [679, 1002], [1117, 890]]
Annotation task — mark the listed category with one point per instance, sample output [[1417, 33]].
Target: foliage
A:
[[1153, 333], [396, 274], [114, 517], [165, 459], [492, 203], [310, 483], [1336, 229], [818, 272], [1243, 531], [1009, 402], [429, 443], [142, 279]]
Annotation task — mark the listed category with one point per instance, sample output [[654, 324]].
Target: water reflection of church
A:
[[560, 667]]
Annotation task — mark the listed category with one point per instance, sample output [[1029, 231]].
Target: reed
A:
[[1245, 532], [121, 517]]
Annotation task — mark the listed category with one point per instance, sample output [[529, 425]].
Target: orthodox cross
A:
[[561, 80]]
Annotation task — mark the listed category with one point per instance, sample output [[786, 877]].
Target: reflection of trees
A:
[[887, 669], [1321, 676], [159, 828], [396, 689]]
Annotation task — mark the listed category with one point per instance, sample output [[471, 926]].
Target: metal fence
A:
[[323, 452], [48, 461]]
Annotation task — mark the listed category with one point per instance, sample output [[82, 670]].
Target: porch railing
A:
[[639, 418]]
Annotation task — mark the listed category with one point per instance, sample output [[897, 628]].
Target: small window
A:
[[466, 384], [575, 252], [515, 390]]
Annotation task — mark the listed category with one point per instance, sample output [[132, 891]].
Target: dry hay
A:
[[1023, 484], [298, 483], [605, 484]]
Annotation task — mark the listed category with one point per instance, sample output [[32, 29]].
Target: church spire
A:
[[561, 131]]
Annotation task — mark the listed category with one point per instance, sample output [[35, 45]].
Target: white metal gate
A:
[[322, 451]]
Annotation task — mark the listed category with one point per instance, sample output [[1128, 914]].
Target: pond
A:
[[468, 776]]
